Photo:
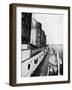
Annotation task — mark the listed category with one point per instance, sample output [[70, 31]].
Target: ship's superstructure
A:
[[33, 46]]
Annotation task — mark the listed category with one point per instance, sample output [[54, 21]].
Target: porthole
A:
[[28, 66], [35, 61]]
